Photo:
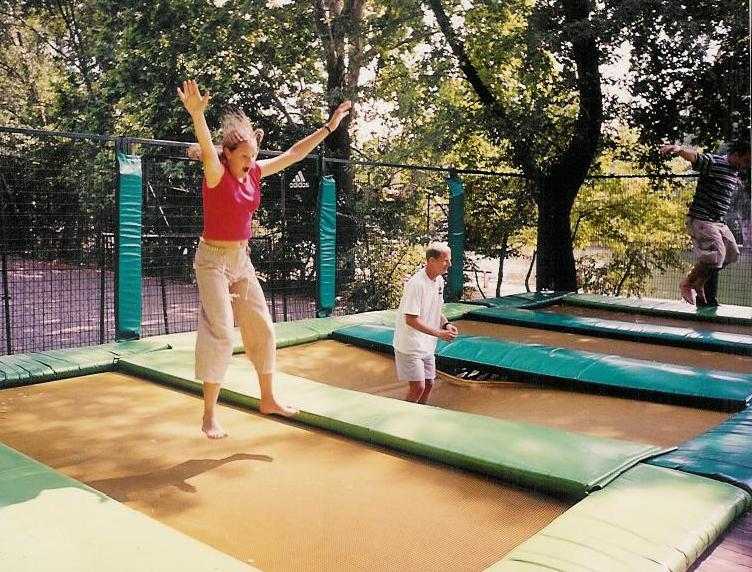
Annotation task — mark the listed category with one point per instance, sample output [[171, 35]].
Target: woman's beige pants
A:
[[230, 291]]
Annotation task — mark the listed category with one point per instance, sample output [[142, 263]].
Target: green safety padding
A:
[[649, 519], [455, 277], [539, 363], [723, 453], [27, 369], [50, 522], [372, 337], [529, 300], [326, 243], [666, 335], [723, 314], [456, 310], [128, 249], [563, 462], [324, 326], [304, 331]]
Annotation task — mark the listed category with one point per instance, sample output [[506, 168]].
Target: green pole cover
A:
[[456, 237], [326, 241], [128, 251]]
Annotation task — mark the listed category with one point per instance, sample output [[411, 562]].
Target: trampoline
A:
[[518, 476], [600, 415], [276, 495], [625, 348], [665, 319]]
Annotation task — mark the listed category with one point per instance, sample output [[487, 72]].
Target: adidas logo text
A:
[[299, 182]]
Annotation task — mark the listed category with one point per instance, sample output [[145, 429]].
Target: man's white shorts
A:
[[414, 368]]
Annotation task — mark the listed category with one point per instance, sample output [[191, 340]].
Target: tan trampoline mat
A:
[[635, 318], [274, 494], [636, 350], [355, 368]]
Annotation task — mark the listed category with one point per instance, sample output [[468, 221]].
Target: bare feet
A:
[[686, 291], [213, 430], [699, 287], [271, 407]]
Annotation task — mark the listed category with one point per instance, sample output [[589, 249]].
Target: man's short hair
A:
[[739, 147], [436, 249]]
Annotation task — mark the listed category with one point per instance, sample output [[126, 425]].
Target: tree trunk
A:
[[558, 181], [561, 183], [339, 28], [555, 268], [502, 257]]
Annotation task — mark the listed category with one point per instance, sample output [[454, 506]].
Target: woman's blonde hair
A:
[[236, 123]]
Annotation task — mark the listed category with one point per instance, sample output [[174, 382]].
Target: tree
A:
[[27, 70], [689, 70], [539, 85], [534, 69], [496, 211]]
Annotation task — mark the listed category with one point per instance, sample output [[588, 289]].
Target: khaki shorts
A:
[[230, 293], [414, 368], [713, 243]]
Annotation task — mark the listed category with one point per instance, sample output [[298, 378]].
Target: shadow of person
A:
[[131, 487]]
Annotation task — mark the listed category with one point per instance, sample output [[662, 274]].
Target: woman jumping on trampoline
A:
[[227, 283]]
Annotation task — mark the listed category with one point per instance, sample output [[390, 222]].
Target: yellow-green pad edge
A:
[[52, 523], [567, 463], [650, 519]]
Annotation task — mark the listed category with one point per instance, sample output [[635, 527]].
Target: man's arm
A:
[[414, 322], [687, 154]]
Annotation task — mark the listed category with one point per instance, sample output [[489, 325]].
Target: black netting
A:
[[58, 223], [282, 247], [57, 197], [384, 221]]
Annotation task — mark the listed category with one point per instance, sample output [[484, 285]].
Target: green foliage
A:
[[626, 230], [27, 73], [497, 208], [689, 69], [120, 63], [57, 197], [380, 275], [397, 212]]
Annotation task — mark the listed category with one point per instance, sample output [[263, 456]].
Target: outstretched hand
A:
[[342, 111], [191, 97], [194, 152], [667, 149]]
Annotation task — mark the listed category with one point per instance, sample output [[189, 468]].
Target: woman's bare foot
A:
[[271, 407], [213, 430]]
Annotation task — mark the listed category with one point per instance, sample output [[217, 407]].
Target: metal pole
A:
[[6, 290], [272, 277], [164, 300], [6, 303], [102, 282]]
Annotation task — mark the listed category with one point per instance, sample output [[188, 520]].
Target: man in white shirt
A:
[[420, 323]]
